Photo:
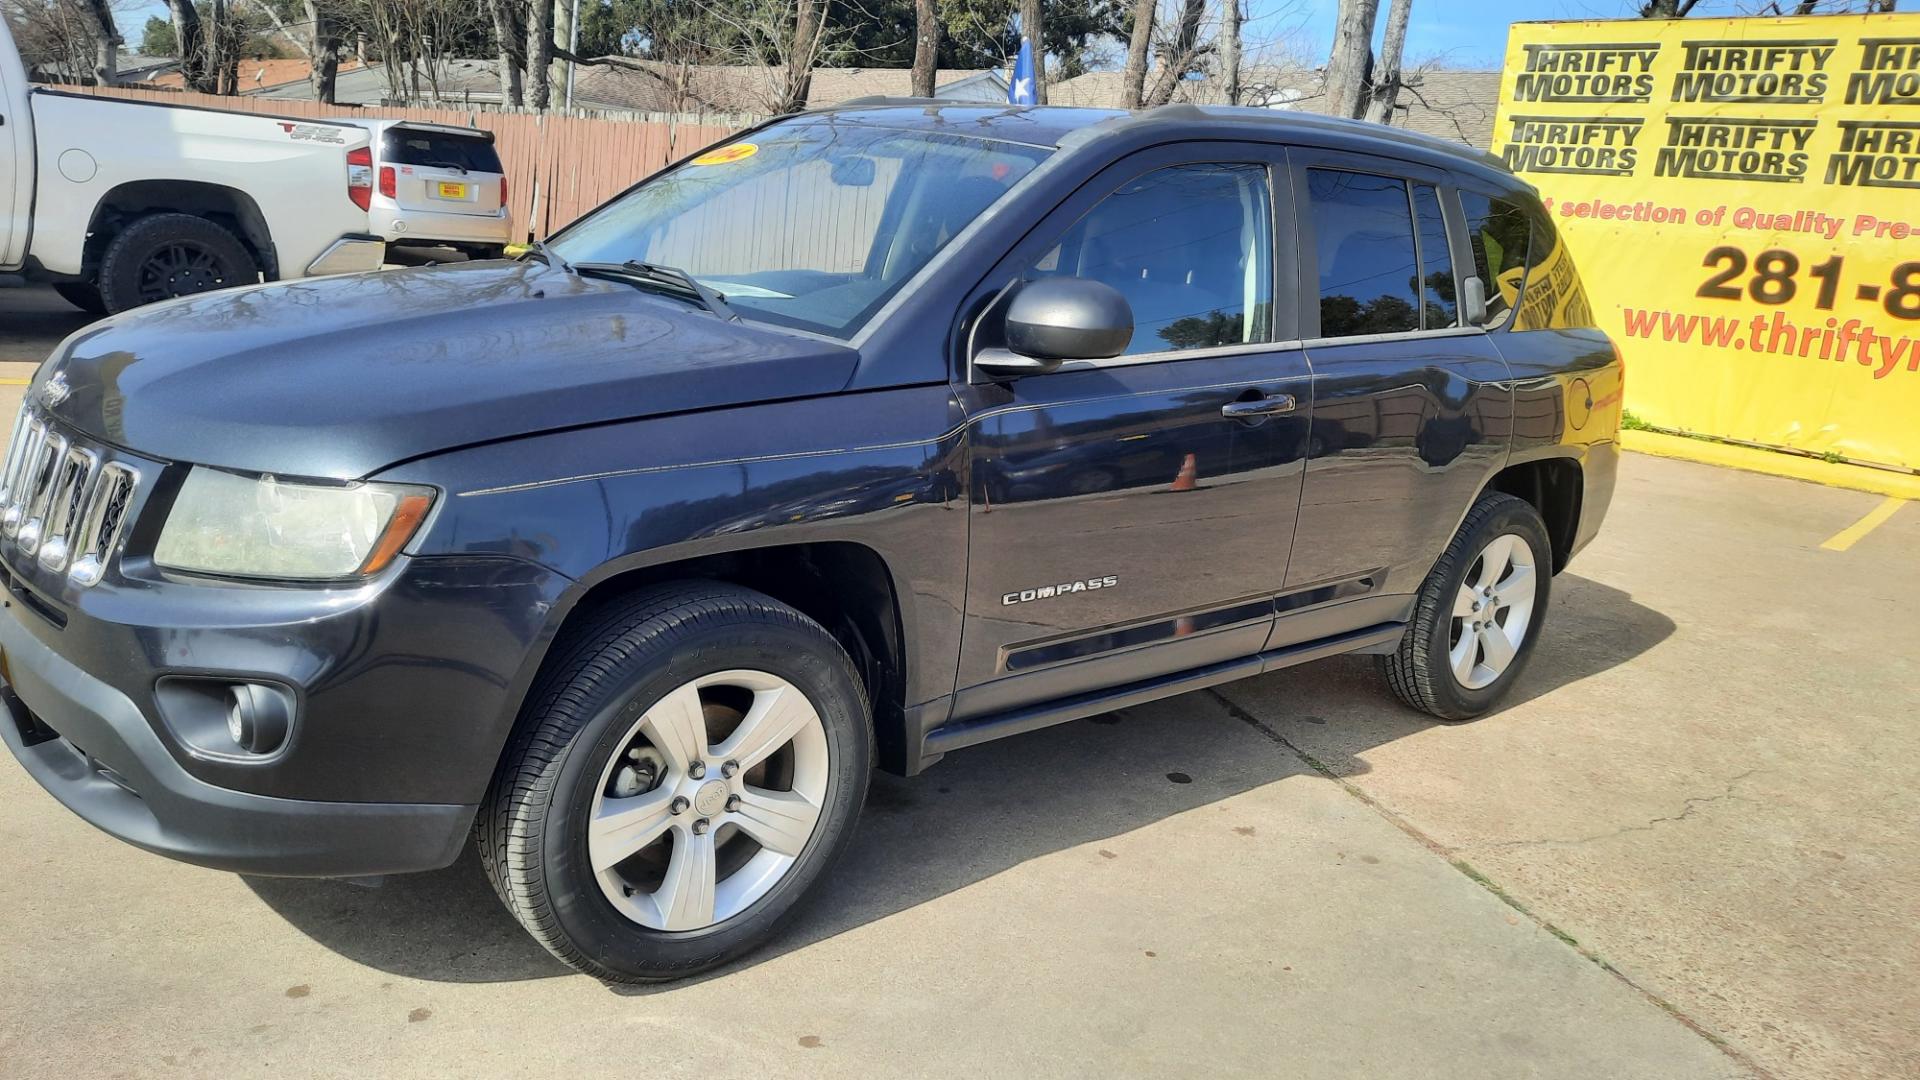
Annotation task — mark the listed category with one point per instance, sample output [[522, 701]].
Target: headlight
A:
[[245, 526]]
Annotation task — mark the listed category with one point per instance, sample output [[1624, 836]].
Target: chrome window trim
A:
[[1173, 355], [1398, 335]]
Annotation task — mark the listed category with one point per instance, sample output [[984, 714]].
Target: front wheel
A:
[[687, 771], [1478, 614]]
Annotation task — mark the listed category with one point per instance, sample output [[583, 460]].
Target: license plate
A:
[[452, 191]]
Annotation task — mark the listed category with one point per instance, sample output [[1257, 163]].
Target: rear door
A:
[[442, 170], [1131, 517], [1412, 406]]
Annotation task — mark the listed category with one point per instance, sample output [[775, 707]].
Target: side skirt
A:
[[1381, 638]]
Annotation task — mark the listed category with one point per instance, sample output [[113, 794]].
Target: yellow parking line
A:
[[1875, 518], [16, 382]]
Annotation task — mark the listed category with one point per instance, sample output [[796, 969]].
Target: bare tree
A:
[[1133, 81], [1179, 54], [106, 44], [539, 56], [926, 46], [1352, 55], [1230, 23], [508, 36], [325, 33], [1666, 9], [1384, 91], [1033, 29], [805, 51]]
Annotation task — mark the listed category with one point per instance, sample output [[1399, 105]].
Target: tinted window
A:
[[1363, 236], [1553, 297], [411, 146], [1440, 308], [1498, 232], [1188, 247]]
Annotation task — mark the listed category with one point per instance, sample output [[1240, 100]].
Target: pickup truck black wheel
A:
[[688, 768], [161, 256], [84, 295], [1478, 615]]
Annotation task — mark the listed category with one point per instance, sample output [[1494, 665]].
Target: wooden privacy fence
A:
[[557, 167]]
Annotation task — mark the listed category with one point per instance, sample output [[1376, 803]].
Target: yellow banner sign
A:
[[1742, 197]]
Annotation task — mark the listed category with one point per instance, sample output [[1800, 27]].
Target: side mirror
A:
[[1057, 319], [1473, 300]]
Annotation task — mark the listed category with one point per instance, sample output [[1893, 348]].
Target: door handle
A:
[[1264, 406]]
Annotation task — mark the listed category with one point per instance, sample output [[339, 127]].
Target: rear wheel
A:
[[162, 256], [1478, 615], [689, 768], [84, 295]]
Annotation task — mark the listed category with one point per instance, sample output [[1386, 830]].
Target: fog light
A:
[[257, 718]]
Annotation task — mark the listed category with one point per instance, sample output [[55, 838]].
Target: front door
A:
[[1131, 517]]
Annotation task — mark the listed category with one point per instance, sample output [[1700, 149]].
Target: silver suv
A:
[[438, 186]]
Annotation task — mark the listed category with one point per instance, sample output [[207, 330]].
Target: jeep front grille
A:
[[60, 503]]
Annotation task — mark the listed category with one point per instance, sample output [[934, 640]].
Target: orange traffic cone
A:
[[1189, 475]]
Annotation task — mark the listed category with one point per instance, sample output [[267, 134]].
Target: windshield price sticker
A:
[[727, 155]]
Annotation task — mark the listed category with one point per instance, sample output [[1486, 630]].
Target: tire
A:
[[588, 743], [84, 295], [1426, 671], [162, 256]]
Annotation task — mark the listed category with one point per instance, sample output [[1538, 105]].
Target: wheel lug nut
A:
[[727, 770], [700, 827], [678, 805], [697, 770], [733, 803]]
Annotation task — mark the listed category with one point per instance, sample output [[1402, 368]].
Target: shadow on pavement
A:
[[32, 321], [977, 813]]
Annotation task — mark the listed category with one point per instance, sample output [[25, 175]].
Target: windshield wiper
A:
[[539, 250], [659, 274]]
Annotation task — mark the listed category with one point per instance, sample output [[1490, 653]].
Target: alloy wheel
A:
[[1491, 612], [709, 800]]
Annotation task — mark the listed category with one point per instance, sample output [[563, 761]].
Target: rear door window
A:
[[439, 149], [1364, 246]]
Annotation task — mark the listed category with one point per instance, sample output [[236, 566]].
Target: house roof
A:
[[1456, 105], [258, 74]]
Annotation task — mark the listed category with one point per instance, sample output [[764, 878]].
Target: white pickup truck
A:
[[120, 203]]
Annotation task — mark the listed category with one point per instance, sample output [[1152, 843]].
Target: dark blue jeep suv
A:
[[868, 435]]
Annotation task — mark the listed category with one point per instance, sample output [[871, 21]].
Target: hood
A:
[[339, 377]]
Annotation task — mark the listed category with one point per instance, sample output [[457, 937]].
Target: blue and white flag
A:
[[1020, 90]]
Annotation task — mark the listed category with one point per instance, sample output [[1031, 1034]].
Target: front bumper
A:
[[89, 745]]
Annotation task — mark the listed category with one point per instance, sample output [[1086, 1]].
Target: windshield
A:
[[813, 224]]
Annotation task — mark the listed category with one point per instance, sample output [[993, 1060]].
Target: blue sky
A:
[[1469, 33]]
